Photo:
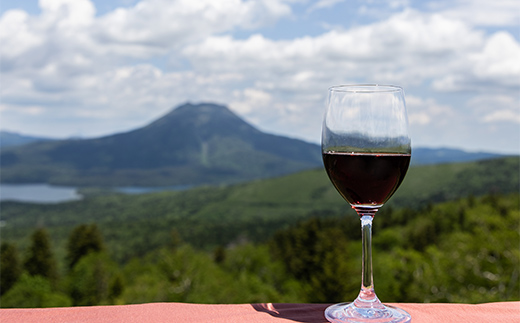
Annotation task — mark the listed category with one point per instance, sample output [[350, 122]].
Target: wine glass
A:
[[366, 152]]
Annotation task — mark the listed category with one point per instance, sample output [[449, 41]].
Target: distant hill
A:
[[429, 156], [11, 139], [193, 144]]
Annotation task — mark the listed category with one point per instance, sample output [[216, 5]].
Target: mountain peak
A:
[[201, 109], [201, 115], [204, 106], [192, 144]]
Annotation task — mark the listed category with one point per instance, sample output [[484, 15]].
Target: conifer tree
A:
[[176, 239], [219, 254], [10, 267], [92, 281], [83, 240], [40, 259]]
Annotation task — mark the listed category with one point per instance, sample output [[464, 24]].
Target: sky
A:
[[82, 68]]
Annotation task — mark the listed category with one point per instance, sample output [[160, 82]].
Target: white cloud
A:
[[499, 60], [247, 100], [503, 116], [491, 108], [427, 111], [407, 34], [103, 69], [164, 24], [436, 124], [494, 66], [15, 35], [409, 47], [484, 12], [321, 4], [68, 57], [67, 13], [151, 27], [381, 9], [25, 110]]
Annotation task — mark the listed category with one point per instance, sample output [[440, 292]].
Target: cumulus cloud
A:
[[323, 4], [484, 12], [15, 35], [68, 57], [499, 61], [405, 41], [492, 107], [495, 65], [109, 68], [503, 115], [427, 111], [164, 24]]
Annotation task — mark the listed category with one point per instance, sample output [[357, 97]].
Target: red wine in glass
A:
[[366, 178]]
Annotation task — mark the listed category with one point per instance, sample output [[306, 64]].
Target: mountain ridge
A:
[[428, 156], [12, 139], [192, 144]]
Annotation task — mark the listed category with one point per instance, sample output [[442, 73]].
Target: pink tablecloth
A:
[[252, 313]]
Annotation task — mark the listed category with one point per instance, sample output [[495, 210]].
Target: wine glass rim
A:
[[365, 88]]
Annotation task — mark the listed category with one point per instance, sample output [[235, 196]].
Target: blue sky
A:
[[92, 68]]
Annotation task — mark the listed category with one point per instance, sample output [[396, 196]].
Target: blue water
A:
[[142, 190], [38, 193], [45, 193]]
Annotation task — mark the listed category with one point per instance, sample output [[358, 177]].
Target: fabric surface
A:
[[253, 313]]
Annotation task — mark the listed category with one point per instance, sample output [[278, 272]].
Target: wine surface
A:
[[365, 179]]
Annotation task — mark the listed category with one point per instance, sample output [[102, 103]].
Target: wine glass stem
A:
[[366, 307], [367, 295]]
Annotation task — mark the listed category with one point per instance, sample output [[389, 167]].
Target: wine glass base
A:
[[348, 312]]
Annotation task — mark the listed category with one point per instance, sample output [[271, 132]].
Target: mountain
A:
[[429, 156], [193, 144], [11, 139]]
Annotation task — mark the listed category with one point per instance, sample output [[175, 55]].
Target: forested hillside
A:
[[449, 234], [460, 251], [210, 216]]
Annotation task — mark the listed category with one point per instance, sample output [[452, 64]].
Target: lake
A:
[[45, 193], [38, 193]]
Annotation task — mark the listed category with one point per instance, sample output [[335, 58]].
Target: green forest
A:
[[450, 234]]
